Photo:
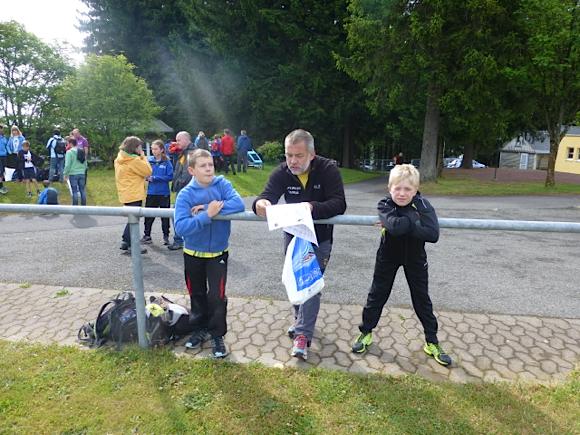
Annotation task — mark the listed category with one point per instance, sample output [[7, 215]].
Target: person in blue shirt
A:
[[3, 159], [49, 195], [244, 145], [15, 142], [205, 250], [158, 193]]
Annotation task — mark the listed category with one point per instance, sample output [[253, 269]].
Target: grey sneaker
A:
[[146, 240], [124, 246], [166, 241], [3, 190], [197, 339], [175, 247], [218, 348]]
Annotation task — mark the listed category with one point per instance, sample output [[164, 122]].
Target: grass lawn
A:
[[473, 187], [52, 389], [101, 189]]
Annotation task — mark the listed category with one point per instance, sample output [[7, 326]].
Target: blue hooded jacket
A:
[[160, 178], [199, 231], [4, 150], [244, 144]]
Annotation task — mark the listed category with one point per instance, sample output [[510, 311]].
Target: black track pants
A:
[[206, 282], [157, 201], [416, 273]]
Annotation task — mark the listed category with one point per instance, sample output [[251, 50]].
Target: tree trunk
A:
[[467, 162], [555, 137], [430, 135], [347, 143]]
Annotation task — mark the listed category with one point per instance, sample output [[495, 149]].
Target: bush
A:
[[271, 151]]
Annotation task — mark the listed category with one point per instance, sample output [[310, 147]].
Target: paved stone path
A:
[[484, 347]]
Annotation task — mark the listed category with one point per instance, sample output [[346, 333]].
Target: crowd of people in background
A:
[[67, 157], [67, 164]]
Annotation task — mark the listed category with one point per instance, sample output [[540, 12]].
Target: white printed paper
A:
[[295, 219]]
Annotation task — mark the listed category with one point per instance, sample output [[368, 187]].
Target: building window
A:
[[578, 154], [570, 153]]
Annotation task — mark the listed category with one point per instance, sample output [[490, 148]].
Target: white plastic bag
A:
[[301, 275]]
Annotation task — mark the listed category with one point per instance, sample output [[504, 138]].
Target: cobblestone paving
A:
[[484, 347]]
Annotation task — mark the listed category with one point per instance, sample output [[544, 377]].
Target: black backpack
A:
[[176, 319], [81, 155], [59, 147], [116, 321]]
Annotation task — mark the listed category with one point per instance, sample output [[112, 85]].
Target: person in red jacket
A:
[[228, 150]]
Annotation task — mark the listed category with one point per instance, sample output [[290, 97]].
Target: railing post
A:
[[138, 279]]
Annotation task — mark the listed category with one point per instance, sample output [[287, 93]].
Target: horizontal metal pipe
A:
[[470, 224]]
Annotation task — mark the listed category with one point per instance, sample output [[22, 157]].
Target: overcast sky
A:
[[49, 20]]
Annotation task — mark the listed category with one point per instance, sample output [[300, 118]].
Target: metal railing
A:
[[134, 213]]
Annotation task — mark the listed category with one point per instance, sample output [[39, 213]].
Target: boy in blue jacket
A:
[[158, 193], [205, 249], [408, 221]]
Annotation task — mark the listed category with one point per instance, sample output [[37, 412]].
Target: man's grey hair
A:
[[183, 133], [243, 132], [298, 136]]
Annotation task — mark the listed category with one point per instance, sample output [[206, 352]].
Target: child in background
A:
[[158, 193], [216, 152], [408, 221], [26, 160], [49, 195], [205, 250]]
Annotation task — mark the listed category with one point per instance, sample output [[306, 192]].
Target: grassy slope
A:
[[101, 189], [63, 389]]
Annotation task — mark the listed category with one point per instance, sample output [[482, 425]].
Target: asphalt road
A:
[[476, 271]]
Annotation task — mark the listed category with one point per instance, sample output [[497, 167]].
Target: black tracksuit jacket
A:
[[407, 229], [324, 190]]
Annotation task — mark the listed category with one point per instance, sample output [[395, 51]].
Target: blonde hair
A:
[[404, 173], [195, 155]]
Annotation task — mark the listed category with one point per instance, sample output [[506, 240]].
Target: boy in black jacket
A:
[[408, 221]]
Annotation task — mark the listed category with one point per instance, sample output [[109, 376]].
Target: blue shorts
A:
[[28, 173]]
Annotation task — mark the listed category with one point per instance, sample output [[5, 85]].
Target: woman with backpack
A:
[[75, 166]]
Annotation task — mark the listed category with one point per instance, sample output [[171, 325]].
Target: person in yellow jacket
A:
[[131, 170]]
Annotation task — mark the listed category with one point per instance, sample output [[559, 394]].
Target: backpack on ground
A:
[[177, 318], [116, 321], [59, 147]]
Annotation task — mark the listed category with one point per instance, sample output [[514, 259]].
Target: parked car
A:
[[456, 163], [416, 162]]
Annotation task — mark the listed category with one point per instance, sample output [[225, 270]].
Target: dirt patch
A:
[[508, 175]]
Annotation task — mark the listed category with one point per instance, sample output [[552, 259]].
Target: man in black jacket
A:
[[306, 177], [181, 177]]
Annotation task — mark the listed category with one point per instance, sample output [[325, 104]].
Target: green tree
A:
[[434, 62], [266, 67], [549, 69], [108, 101], [30, 70]]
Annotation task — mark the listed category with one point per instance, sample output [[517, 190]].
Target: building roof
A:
[[519, 145], [539, 141], [158, 126]]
